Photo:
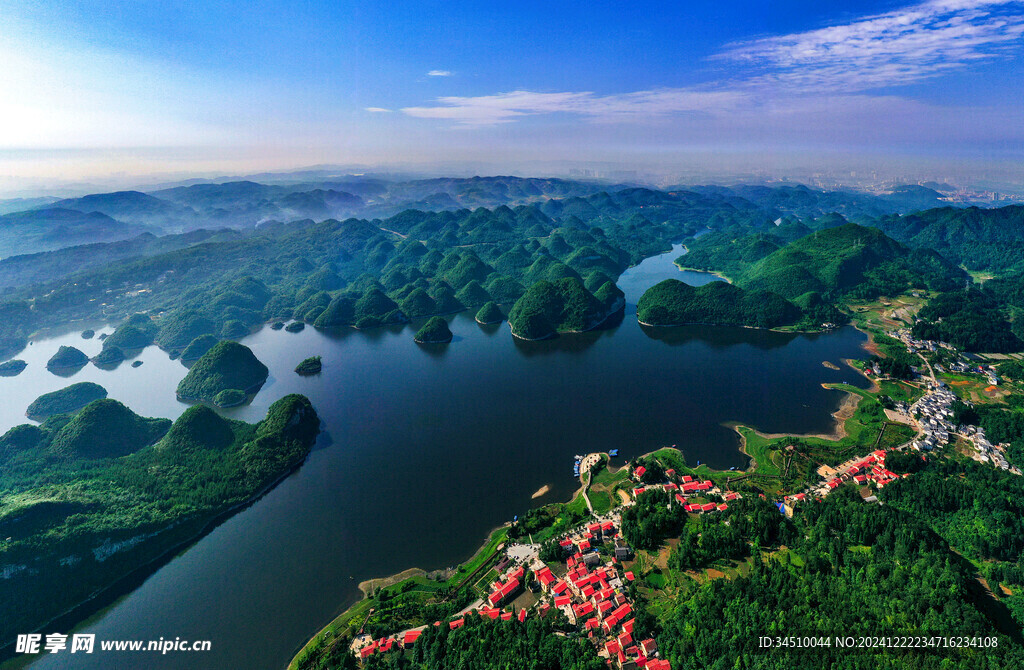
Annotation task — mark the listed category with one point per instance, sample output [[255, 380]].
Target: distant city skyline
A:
[[107, 93]]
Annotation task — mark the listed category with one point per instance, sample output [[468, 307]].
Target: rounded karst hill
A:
[[197, 347], [109, 357], [228, 365], [67, 358], [12, 368], [434, 331], [68, 399], [310, 366], [106, 429], [198, 428], [490, 313]]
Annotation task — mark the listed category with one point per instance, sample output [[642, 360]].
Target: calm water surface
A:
[[425, 450]]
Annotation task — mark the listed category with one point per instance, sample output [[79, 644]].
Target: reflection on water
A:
[[426, 450], [718, 337]]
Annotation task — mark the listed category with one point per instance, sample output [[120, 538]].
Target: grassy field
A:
[[768, 459], [898, 390], [603, 485], [976, 388]]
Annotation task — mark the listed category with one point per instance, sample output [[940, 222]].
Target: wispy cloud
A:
[[505, 107], [377, 110], [439, 73], [875, 52], [890, 49]]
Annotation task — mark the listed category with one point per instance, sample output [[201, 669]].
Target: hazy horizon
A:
[[119, 94]]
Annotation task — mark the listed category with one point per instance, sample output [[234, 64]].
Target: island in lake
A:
[[66, 359], [65, 401], [434, 331], [675, 303], [12, 368], [563, 306], [310, 366], [489, 314], [227, 366]]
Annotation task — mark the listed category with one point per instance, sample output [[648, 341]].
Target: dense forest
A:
[[846, 569], [355, 272], [565, 305], [970, 319], [96, 490], [482, 644], [837, 259], [672, 303], [88, 498], [227, 366]]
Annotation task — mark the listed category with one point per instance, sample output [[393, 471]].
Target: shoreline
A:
[[390, 580], [619, 306], [847, 407], [724, 277], [722, 325], [365, 586], [147, 569]]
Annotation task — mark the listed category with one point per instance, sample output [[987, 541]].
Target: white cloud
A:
[[884, 50], [439, 73], [377, 110], [890, 49], [505, 107]]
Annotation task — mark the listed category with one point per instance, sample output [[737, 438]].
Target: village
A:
[[590, 586], [933, 412]]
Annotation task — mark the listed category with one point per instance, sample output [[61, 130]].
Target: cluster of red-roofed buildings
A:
[[594, 598], [689, 486], [871, 468], [503, 591]]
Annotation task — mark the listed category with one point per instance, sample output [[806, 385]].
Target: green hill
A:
[[549, 308], [490, 313], [137, 332], [66, 358], [109, 357], [12, 368], [18, 439], [979, 239], [310, 366], [228, 365], [197, 347], [848, 259], [198, 428], [672, 303], [434, 331], [160, 497], [106, 429], [69, 399]]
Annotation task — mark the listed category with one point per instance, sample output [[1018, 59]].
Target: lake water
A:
[[425, 450]]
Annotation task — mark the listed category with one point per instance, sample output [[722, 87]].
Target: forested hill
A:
[[980, 239], [58, 227], [833, 261], [419, 263], [358, 272], [849, 258], [244, 203], [89, 499]]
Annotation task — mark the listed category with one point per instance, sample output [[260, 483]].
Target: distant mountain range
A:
[[55, 227], [45, 224]]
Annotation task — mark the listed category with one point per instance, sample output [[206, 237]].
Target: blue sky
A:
[[88, 88]]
